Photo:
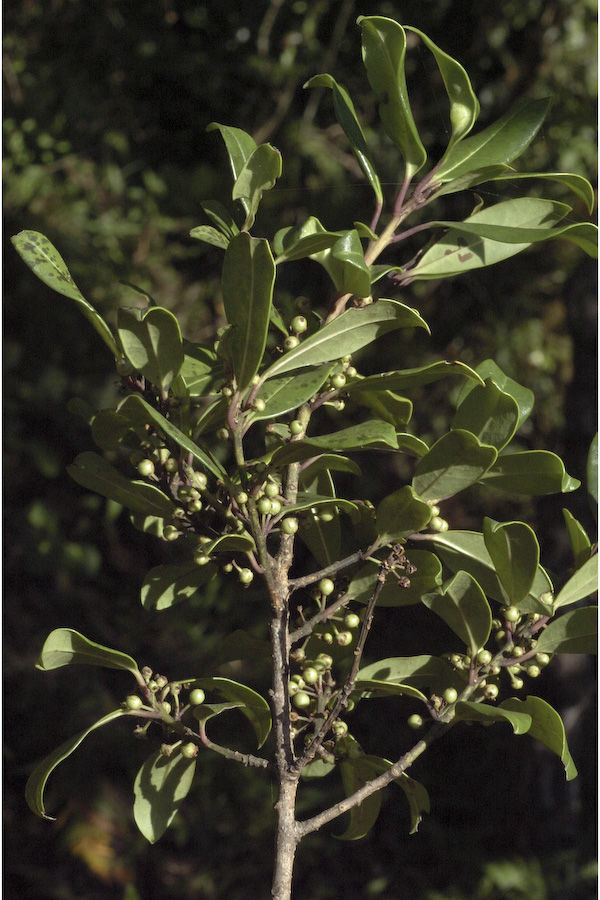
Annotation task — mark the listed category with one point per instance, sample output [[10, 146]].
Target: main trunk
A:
[[286, 840]]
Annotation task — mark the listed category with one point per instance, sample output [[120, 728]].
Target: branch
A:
[[297, 583], [247, 759]]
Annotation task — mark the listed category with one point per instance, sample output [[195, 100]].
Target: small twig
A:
[[247, 759]]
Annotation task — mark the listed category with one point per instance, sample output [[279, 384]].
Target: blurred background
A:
[[106, 152]]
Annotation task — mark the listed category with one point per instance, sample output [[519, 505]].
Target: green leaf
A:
[[578, 538], [582, 584], [530, 472], [252, 705], [327, 461], [303, 240], [152, 344], [210, 235], [65, 647], [348, 332], [409, 378], [501, 142], [221, 217], [109, 429], [384, 51], [427, 578], [385, 404], [467, 711], [96, 474], [201, 371], [231, 543], [573, 632], [463, 607], [318, 768], [323, 539], [576, 183], [345, 263], [471, 179], [428, 672], [240, 146], [464, 106], [346, 116], [491, 235], [247, 280], [592, 469], [165, 586], [372, 433], [258, 174], [546, 726], [281, 395], [373, 688], [355, 773], [456, 461], [308, 501], [515, 553], [138, 410], [36, 783], [408, 443], [161, 785], [400, 514], [488, 370], [488, 413], [45, 261], [466, 550]]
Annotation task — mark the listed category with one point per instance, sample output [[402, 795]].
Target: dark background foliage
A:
[[106, 152]]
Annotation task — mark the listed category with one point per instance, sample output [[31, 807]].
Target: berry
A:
[[296, 427], [259, 405], [242, 498], [170, 533], [326, 586], [275, 507], [301, 700], [415, 721], [271, 490], [264, 506], [534, 671], [351, 372], [484, 657], [189, 751], [490, 692], [165, 707], [133, 701], [344, 638], [289, 525], [246, 576], [542, 659], [512, 614], [310, 675], [338, 380], [517, 683], [299, 324], [439, 525], [197, 696], [450, 695], [195, 506], [200, 480], [326, 516], [291, 342], [146, 468], [435, 510], [171, 464], [351, 620], [327, 637], [325, 659], [339, 728], [223, 434]]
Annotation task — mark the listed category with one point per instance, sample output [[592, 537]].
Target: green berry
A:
[[264, 506], [195, 506], [490, 692], [534, 671], [310, 675], [223, 434], [450, 695], [165, 707], [542, 659], [517, 683], [241, 498], [200, 480], [296, 427], [301, 700], [171, 464], [246, 576], [338, 380], [351, 620], [289, 525], [259, 405], [171, 533], [435, 510], [325, 659], [197, 696], [299, 324], [344, 638], [201, 559], [327, 637], [133, 702], [512, 614], [339, 728], [484, 657], [271, 489], [189, 751], [326, 586], [326, 516], [146, 468], [351, 372], [415, 721], [439, 525], [291, 342], [517, 651]]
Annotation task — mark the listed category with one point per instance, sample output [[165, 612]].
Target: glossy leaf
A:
[[109, 429], [400, 514], [355, 772], [165, 586], [463, 607], [96, 474], [252, 705], [161, 785], [467, 245], [456, 461], [573, 632], [488, 370], [247, 280], [231, 543], [152, 343], [386, 405], [323, 539], [258, 174], [347, 118], [328, 461], [136, 407], [592, 469], [36, 783], [209, 235], [384, 52], [546, 726], [427, 578], [576, 183], [501, 142], [578, 538], [221, 217], [583, 583], [471, 179], [372, 688], [345, 263], [464, 106], [240, 146], [284, 394], [372, 433], [299, 242], [410, 378], [308, 501], [408, 443], [200, 371], [515, 554], [466, 550], [467, 711], [45, 261], [531, 472], [488, 413], [65, 647], [348, 332], [431, 673]]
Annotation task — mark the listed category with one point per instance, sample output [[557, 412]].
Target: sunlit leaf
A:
[[284, 394], [463, 607], [456, 461], [258, 174], [65, 647], [400, 514], [165, 586], [161, 785], [409, 378], [152, 343], [345, 263], [372, 433], [210, 235], [515, 553], [579, 185], [573, 632], [468, 711], [430, 673], [252, 705], [488, 370], [532, 472], [578, 538], [427, 578], [373, 688], [240, 146], [582, 584], [488, 413], [546, 726], [96, 474]]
